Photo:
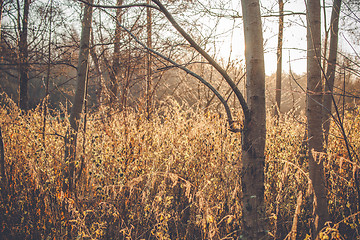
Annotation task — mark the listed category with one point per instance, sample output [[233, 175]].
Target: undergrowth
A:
[[176, 176]]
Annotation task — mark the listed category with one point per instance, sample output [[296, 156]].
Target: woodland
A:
[[188, 119]]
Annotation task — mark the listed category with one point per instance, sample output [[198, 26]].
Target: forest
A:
[[188, 119]]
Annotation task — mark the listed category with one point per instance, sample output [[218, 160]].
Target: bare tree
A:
[[2, 151], [114, 76], [96, 61], [23, 53], [82, 70], [314, 114], [48, 71], [148, 61], [279, 59], [330, 73], [1, 12], [255, 133]]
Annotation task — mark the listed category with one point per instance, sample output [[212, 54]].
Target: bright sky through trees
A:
[[294, 45], [217, 22]]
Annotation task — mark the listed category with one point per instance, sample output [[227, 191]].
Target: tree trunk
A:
[[48, 71], [82, 70], [148, 62], [1, 11], [255, 130], [326, 37], [24, 58], [330, 73], [114, 85], [100, 92], [2, 162], [2, 150], [1, 14], [314, 114], [279, 59]]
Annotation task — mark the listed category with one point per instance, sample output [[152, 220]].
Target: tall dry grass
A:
[[174, 177]]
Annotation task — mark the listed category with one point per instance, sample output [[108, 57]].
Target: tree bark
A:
[[114, 78], [279, 59], [148, 62], [314, 114], [100, 92], [24, 58], [255, 131], [82, 70], [2, 150], [48, 71], [330, 73]]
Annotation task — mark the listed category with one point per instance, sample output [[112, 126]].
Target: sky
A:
[[294, 45], [294, 41]]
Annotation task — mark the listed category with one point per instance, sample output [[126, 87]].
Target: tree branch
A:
[[188, 38], [121, 6], [207, 84], [228, 79]]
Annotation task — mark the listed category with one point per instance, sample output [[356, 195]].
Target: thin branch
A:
[[238, 16], [121, 6], [228, 79], [207, 84], [352, 47]]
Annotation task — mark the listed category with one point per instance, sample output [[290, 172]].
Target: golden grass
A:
[[174, 177]]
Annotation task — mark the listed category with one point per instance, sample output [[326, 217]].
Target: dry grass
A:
[[174, 177]]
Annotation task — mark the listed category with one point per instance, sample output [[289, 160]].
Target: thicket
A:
[[176, 176]]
